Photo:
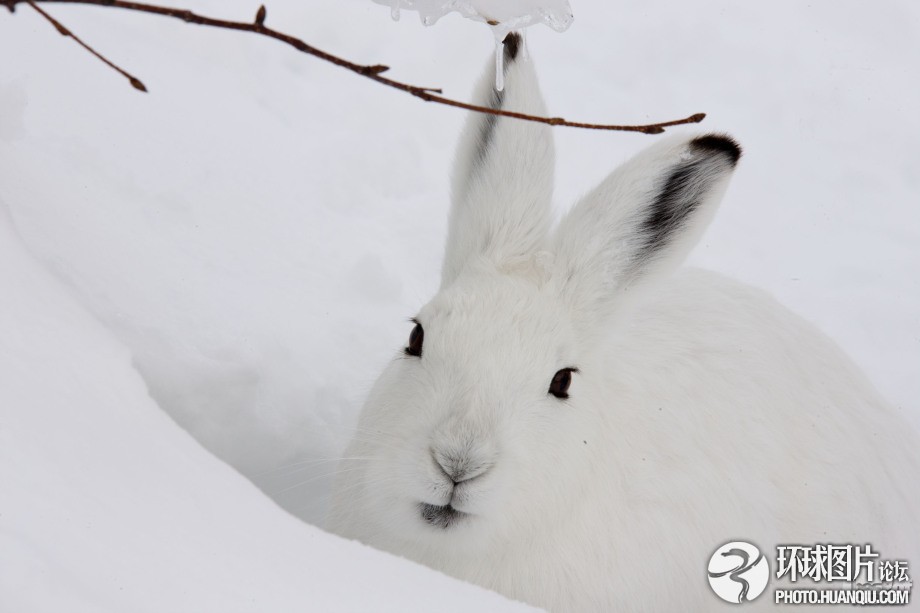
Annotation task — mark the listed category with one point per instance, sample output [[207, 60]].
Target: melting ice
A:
[[503, 16]]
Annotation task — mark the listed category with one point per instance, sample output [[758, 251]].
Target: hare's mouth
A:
[[441, 517]]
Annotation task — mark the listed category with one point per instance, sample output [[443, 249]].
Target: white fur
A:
[[703, 411]]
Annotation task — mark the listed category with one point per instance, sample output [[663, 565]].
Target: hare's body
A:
[[700, 411], [675, 470]]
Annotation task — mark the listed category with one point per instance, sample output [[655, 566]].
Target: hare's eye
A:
[[559, 386], [416, 338]]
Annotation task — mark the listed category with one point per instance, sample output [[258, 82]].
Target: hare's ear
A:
[[503, 176], [640, 222]]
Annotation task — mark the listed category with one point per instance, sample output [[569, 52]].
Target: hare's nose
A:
[[460, 468]]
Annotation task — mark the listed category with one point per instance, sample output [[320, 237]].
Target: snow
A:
[[242, 246], [109, 506]]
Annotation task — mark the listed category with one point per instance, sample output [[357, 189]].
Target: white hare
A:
[[578, 425]]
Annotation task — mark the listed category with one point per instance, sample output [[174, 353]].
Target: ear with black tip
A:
[[641, 221], [503, 173]]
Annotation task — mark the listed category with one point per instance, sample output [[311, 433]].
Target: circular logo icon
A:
[[738, 572]]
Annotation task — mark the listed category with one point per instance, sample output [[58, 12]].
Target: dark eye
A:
[[559, 386], [416, 338]]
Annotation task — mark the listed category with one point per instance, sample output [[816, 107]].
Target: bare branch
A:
[[373, 72], [135, 82]]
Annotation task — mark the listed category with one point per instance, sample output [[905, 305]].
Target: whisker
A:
[[314, 503], [314, 478], [378, 443], [377, 433], [302, 464]]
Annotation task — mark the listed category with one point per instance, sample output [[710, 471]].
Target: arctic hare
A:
[[578, 425]]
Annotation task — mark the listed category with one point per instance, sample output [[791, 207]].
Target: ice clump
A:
[[503, 15]]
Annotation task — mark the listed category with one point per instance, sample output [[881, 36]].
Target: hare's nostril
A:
[[459, 469], [441, 463]]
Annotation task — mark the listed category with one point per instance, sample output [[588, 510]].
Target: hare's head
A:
[[482, 425]]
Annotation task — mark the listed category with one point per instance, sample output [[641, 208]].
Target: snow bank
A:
[[107, 505]]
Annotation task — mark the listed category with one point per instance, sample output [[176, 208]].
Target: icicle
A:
[[499, 65], [394, 10], [525, 53]]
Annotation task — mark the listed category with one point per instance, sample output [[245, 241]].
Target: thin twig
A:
[[373, 72], [135, 82]]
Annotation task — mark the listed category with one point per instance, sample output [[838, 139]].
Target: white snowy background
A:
[[240, 248]]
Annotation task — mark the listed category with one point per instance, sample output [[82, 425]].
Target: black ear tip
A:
[[512, 44], [719, 143]]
